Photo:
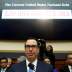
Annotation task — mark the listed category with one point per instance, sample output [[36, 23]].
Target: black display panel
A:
[[49, 19]]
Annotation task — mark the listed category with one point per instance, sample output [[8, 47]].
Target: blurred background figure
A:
[[49, 53], [42, 46], [9, 62], [68, 64], [21, 59], [14, 60], [46, 51], [3, 64], [47, 60]]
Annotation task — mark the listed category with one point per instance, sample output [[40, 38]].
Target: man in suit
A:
[[31, 64], [3, 64], [68, 66]]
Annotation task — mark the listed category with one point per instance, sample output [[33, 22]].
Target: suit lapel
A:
[[38, 69], [23, 67]]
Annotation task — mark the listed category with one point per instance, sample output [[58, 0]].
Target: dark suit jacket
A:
[[21, 67], [64, 69]]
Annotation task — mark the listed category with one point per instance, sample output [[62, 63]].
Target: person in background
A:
[[3, 64], [9, 64], [68, 65], [47, 60], [49, 53], [31, 64], [14, 60]]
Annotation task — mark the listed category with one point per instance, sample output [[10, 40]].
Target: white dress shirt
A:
[[3, 70], [70, 68], [34, 63]]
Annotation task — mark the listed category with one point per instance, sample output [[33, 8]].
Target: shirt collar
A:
[[4, 69], [69, 66], [34, 62]]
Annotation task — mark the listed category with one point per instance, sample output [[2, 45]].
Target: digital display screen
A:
[[36, 9], [43, 19], [49, 19]]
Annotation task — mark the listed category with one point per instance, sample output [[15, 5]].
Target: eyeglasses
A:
[[32, 46]]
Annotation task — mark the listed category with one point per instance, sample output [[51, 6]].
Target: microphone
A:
[[31, 66]]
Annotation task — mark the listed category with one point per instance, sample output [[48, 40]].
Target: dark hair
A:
[[3, 58], [51, 48], [30, 39], [46, 57]]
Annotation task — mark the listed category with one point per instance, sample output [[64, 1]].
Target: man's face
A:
[[3, 63], [31, 49], [69, 59]]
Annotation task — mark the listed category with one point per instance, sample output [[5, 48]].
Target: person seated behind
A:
[[68, 66], [49, 53], [47, 60], [31, 63], [3, 64], [14, 60], [9, 62]]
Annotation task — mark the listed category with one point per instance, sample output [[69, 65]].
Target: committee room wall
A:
[[18, 46]]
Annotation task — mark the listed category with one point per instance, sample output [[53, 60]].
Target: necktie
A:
[[31, 67]]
